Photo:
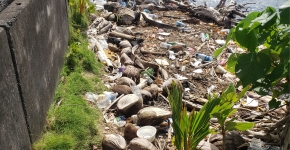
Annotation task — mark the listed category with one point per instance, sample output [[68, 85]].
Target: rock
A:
[[233, 140], [122, 89], [152, 116], [113, 142], [133, 73], [141, 144], [202, 145], [125, 81], [130, 131], [129, 104], [168, 85]]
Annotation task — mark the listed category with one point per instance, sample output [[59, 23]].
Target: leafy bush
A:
[[267, 70], [225, 109]]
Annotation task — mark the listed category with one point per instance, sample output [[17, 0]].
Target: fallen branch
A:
[[157, 24], [260, 135], [151, 52]]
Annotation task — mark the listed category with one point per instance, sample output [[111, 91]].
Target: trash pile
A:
[[143, 51]]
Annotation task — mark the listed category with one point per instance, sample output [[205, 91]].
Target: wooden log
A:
[[155, 23], [121, 35]]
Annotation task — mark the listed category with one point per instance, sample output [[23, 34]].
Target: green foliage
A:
[[190, 129], [225, 109], [53, 141], [263, 69]]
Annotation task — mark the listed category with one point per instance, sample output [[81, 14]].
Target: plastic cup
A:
[[147, 132]]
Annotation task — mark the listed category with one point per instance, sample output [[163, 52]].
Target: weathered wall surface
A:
[[33, 41]]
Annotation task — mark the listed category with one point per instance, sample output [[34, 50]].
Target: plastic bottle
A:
[[147, 11], [148, 78], [136, 90], [165, 45], [173, 43], [103, 103], [180, 24], [123, 4], [202, 37], [204, 57], [117, 76]]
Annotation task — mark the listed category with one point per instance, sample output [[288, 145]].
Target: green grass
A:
[[72, 123]]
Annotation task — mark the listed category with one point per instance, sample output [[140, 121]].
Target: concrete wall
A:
[[33, 41]]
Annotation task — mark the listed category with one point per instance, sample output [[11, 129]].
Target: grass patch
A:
[[72, 123]]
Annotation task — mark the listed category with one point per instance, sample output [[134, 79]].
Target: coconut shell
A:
[[130, 131], [122, 89], [141, 144], [133, 73], [125, 81], [126, 60], [152, 116], [153, 89], [113, 47], [113, 142], [125, 44], [129, 104], [127, 50], [147, 96]]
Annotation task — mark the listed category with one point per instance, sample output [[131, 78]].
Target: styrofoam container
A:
[[147, 132]]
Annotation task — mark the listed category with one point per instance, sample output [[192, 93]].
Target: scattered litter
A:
[[197, 71], [162, 62], [171, 55], [220, 42], [91, 97], [204, 57], [163, 33], [180, 77], [250, 102]]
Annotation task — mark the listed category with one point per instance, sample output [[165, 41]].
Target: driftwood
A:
[[121, 35], [152, 52], [157, 24]]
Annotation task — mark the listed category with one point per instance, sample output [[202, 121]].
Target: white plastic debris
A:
[[91, 97], [162, 62], [210, 89], [196, 63], [251, 102], [220, 42], [198, 71], [171, 55], [163, 33], [180, 77]]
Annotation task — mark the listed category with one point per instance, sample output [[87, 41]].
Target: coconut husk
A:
[[126, 60], [133, 73], [113, 142], [122, 89], [127, 50], [125, 81]]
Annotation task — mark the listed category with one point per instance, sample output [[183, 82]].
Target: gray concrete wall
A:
[[34, 35]]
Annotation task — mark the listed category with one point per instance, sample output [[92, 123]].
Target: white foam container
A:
[[147, 132]]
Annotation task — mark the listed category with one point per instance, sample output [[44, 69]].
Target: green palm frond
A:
[[190, 129]]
